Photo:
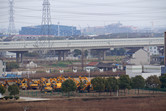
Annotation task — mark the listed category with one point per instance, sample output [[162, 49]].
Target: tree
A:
[[13, 89], [112, 84], [163, 81], [98, 84], [77, 52], [68, 86], [11, 65], [81, 86], [153, 82], [2, 89], [138, 82], [124, 82]]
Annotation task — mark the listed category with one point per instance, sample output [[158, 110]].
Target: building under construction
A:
[[57, 30]]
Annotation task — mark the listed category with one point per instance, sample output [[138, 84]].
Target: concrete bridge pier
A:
[[19, 56], [101, 53], [62, 54]]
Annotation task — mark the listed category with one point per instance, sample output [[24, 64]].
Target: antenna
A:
[[11, 27]]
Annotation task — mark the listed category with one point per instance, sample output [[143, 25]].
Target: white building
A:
[[153, 50], [145, 71], [140, 57], [7, 54], [31, 65], [2, 67]]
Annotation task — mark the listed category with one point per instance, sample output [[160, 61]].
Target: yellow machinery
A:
[[34, 84], [1, 85], [25, 84], [84, 84], [77, 83], [57, 82], [45, 84]]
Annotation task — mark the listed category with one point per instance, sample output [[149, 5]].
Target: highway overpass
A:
[[80, 44]]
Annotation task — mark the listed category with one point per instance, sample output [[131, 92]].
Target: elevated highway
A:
[[80, 44]]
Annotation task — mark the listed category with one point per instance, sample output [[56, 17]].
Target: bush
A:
[[6, 97], [11, 65], [68, 86], [13, 89], [98, 84], [16, 97], [2, 89], [10, 97]]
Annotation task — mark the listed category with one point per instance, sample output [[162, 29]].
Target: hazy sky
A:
[[83, 13]]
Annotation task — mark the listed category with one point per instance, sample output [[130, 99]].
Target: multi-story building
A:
[[153, 50], [56, 30]]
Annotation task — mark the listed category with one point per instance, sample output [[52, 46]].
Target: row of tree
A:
[[112, 84], [13, 89]]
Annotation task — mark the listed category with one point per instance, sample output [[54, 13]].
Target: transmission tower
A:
[[46, 18], [11, 27]]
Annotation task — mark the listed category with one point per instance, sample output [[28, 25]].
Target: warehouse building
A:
[[57, 30]]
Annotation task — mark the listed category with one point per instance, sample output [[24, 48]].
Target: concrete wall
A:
[[146, 75], [145, 71], [151, 68], [133, 70]]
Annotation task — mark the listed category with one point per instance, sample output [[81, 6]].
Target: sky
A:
[[87, 13]]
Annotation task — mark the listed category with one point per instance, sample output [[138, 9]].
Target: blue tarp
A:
[[11, 76]]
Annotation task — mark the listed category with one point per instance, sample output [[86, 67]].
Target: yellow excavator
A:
[[84, 84], [34, 84], [45, 85], [25, 84]]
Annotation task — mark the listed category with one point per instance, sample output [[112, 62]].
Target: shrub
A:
[[6, 97], [10, 97], [2, 89], [16, 97]]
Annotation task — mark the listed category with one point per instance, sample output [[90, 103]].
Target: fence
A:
[[131, 92]]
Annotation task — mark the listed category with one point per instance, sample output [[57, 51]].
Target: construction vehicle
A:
[[34, 84], [45, 85], [25, 84], [84, 84], [77, 82]]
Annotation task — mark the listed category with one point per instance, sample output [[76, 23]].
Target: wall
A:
[[2, 67], [141, 57], [145, 71]]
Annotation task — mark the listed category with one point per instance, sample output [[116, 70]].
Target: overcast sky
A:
[[84, 13]]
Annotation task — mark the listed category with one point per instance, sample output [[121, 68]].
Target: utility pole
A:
[[58, 29], [82, 59], [165, 48], [11, 27]]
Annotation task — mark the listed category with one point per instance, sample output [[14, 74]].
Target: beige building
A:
[[140, 57]]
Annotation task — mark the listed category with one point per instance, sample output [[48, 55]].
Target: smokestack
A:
[[165, 48]]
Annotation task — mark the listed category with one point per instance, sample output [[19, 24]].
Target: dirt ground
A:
[[155, 103]]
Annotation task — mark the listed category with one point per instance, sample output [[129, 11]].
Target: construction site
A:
[[64, 67]]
